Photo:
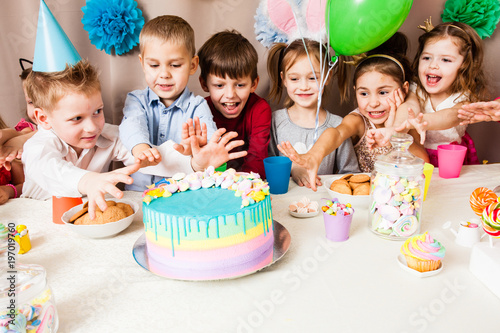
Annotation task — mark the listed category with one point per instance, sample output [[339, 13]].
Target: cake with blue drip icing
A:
[[208, 225]]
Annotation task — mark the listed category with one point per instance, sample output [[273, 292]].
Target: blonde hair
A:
[[46, 89], [281, 57], [168, 28]]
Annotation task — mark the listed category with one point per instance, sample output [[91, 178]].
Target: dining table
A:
[[318, 285]]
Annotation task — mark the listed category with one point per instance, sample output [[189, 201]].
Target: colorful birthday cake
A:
[[208, 225]]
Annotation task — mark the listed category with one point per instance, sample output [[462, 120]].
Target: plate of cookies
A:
[[350, 188], [116, 218]]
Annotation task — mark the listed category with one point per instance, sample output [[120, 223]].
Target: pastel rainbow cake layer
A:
[[208, 225]]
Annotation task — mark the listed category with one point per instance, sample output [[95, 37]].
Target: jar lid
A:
[[399, 161], [29, 282]]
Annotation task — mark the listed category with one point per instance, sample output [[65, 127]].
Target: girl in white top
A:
[[449, 62]]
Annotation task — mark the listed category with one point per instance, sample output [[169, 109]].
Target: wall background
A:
[[121, 74]]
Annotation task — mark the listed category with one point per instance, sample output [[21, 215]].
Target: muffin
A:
[[423, 253]]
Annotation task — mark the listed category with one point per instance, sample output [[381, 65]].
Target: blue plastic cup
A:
[[278, 170]]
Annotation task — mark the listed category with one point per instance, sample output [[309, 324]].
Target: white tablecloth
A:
[[318, 286]]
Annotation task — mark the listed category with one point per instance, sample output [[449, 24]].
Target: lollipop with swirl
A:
[[485, 203], [491, 219], [481, 198]]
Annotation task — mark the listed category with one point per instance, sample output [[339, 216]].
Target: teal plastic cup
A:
[[278, 170]]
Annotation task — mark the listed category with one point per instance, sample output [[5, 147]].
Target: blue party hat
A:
[[53, 49]]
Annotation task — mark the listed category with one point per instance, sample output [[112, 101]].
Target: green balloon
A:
[[357, 26]]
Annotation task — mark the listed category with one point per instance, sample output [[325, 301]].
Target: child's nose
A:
[[230, 92], [165, 73], [91, 126], [434, 64], [374, 101], [304, 84]]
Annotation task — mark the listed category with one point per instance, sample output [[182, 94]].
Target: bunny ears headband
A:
[[283, 21]]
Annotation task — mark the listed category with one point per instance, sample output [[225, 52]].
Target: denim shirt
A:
[[147, 120]]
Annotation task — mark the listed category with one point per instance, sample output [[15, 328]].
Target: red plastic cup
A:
[[450, 160], [61, 205], [337, 226]]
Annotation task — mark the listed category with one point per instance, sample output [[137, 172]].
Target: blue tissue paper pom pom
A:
[[113, 24]]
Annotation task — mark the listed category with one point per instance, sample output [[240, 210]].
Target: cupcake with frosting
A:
[[423, 253]]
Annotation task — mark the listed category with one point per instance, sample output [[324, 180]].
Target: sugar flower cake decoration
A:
[[113, 24], [482, 15]]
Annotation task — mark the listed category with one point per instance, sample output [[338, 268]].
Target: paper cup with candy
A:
[[338, 218]]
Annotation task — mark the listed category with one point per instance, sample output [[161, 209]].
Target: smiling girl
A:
[[449, 62], [297, 71]]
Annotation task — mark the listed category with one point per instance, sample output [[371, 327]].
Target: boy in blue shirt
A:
[[155, 115]]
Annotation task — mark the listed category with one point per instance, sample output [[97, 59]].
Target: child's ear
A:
[[406, 87], [255, 83], [203, 84], [282, 80], [194, 65], [41, 118]]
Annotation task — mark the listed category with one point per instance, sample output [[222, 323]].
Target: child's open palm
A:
[[305, 161], [217, 151], [199, 131], [415, 122]]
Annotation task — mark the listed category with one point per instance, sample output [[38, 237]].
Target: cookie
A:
[[113, 214], [340, 181], [108, 202], [359, 178], [340, 187], [78, 214], [346, 176], [85, 219], [354, 185], [363, 189], [127, 209]]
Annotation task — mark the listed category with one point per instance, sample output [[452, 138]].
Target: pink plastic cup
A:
[[450, 160], [337, 226]]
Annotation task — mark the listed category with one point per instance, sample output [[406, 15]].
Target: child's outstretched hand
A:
[[309, 163], [480, 111], [199, 131], [95, 185], [147, 157], [415, 122], [301, 176], [8, 154], [217, 151]]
